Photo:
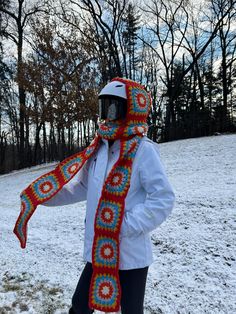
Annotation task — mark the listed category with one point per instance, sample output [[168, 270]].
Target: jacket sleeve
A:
[[146, 216], [72, 192]]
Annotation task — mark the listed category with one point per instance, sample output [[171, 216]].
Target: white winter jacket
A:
[[149, 201]]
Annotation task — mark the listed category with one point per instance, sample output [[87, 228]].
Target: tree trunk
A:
[[37, 144], [44, 143], [21, 91], [224, 86]]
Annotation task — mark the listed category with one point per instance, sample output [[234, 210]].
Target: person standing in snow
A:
[[128, 195]]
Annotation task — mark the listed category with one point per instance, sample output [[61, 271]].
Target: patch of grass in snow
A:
[[4, 309], [23, 293], [149, 310], [10, 287], [55, 290]]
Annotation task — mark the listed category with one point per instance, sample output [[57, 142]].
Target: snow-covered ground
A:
[[195, 249]]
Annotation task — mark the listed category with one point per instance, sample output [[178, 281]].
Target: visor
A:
[[112, 107]]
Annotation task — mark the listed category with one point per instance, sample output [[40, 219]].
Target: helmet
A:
[[124, 98], [112, 101]]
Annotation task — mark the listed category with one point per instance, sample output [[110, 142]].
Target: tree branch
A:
[[9, 13]]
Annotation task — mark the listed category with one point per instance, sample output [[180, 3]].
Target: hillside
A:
[[194, 269]]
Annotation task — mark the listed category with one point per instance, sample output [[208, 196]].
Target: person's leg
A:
[[81, 295], [133, 283]]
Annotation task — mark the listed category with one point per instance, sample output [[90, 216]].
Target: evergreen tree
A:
[[130, 35]]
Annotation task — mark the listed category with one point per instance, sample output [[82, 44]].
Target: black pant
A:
[[132, 282]]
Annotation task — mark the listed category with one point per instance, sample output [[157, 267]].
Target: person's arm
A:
[[145, 217], [72, 192]]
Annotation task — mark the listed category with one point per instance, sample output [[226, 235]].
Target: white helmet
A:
[[112, 101], [114, 88]]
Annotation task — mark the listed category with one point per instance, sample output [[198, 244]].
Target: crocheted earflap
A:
[[138, 101]]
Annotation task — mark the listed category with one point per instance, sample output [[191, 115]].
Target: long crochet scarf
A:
[[105, 290]]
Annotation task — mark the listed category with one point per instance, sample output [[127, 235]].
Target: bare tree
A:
[[170, 34], [15, 18], [166, 38], [225, 11], [106, 17]]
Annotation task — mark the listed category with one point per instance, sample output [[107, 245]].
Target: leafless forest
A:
[[56, 55]]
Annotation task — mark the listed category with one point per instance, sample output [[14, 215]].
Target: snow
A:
[[194, 250]]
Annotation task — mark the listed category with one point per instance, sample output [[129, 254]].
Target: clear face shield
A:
[[112, 107]]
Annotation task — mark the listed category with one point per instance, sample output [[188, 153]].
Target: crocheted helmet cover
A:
[[138, 107]]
